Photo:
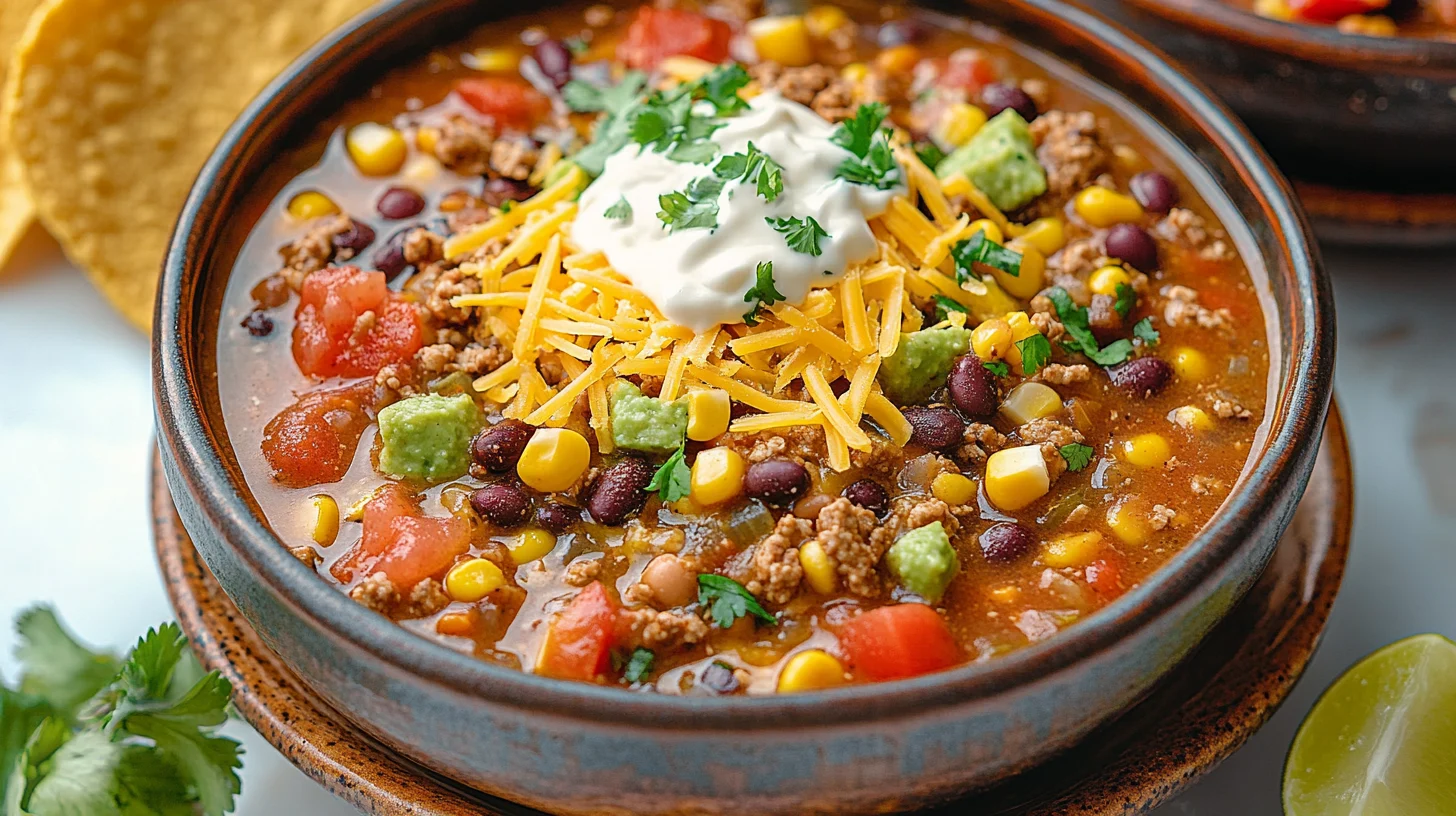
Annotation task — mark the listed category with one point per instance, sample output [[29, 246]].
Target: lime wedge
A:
[[1381, 741]]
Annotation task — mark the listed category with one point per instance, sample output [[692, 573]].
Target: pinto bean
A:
[[673, 583]]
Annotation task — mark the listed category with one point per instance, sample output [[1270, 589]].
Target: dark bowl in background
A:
[[578, 748]]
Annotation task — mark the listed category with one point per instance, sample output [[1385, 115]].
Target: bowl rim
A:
[[1309, 41], [1300, 406]]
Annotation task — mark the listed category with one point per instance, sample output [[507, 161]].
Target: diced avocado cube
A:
[[924, 561], [647, 424], [921, 362], [427, 438], [1001, 161]]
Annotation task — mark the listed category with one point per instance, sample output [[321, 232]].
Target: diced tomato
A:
[[968, 69], [330, 340], [658, 33], [313, 440], [1105, 577], [403, 543], [578, 643], [898, 641], [512, 104], [1330, 11]]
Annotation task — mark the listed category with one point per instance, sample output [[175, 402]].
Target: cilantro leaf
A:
[[980, 249], [998, 368], [727, 600], [682, 211], [673, 480], [1077, 455], [1126, 299], [40, 746], [801, 234], [20, 716], [1144, 331], [56, 667], [944, 306], [620, 211], [78, 777], [754, 167], [1035, 350], [620, 102], [857, 132], [877, 168], [929, 154], [694, 152], [721, 85], [639, 665], [1074, 319], [762, 293]]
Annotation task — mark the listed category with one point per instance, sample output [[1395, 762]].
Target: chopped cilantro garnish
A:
[[944, 306], [762, 293], [754, 167], [1126, 299], [620, 102], [576, 45], [506, 206], [721, 85], [929, 154], [872, 162], [1077, 455], [980, 249], [1074, 318], [639, 665], [695, 207], [1035, 350], [621, 211], [727, 600], [1144, 331], [855, 133], [802, 234], [673, 480], [998, 368]]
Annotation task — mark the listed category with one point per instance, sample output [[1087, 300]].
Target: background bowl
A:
[[570, 747]]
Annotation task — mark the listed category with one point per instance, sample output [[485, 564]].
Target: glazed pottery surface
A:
[[580, 748]]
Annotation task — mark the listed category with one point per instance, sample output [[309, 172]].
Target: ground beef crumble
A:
[[818, 86], [1058, 374], [657, 630], [845, 531], [1182, 309], [1071, 148], [311, 251], [514, 158], [979, 442], [770, 569], [464, 145], [1188, 229], [423, 247]]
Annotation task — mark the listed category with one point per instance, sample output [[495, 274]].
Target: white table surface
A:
[[76, 437]]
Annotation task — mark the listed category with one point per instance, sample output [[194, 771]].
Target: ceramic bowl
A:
[[578, 748], [1372, 113]]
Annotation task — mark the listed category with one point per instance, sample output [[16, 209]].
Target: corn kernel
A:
[[455, 623], [1129, 523], [1021, 328], [325, 519], [811, 670], [377, 150], [493, 60], [953, 488], [553, 460], [1191, 418], [1189, 363], [684, 68], [426, 138], [1029, 279], [958, 123], [1102, 207], [469, 581], [421, 169], [1005, 593], [819, 571], [311, 204], [532, 544], [1031, 400], [1046, 234], [784, 40], [986, 225], [709, 412], [1016, 477], [1147, 450], [1072, 550], [855, 72], [1106, 280], [1274, 9], [992, 339], [717, 476], [825, 20], [898, 60]]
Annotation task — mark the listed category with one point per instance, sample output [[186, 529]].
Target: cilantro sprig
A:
[[620, 211], [1036, 351], [727, 601], [871, 162], [998, 368], [695, 206], [1144, 331], [754, 167], [1126, 299], [944, 307], [1077, 455], [673, 479], [980, 249], [1079, 330], [801, 234], [762, 293], [639, 665]]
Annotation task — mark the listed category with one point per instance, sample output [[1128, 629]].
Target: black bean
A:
[[1142, 377], [719, 678], [1005, 542], [870, 495], [972, 387], [400, 202], [901, 32], [620, 491], [1134, 246], [258, 324], [498, 448], [498, 191], [1155, 191], [776, 481], [998, 96], [503, 505], [936, 428], [554, 60], [557, 518], [389, 258], [355, 239]]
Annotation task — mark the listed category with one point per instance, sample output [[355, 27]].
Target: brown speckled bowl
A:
[[1197, 716]]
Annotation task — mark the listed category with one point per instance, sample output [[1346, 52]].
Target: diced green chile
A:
[[1001, 161], [924, 561], [921, 362], [427, 438], [646, 424]]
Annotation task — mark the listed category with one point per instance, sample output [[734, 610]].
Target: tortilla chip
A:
[[16, 211], [114, 107]]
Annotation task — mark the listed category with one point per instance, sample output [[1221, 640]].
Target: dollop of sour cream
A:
[[698, 277]]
